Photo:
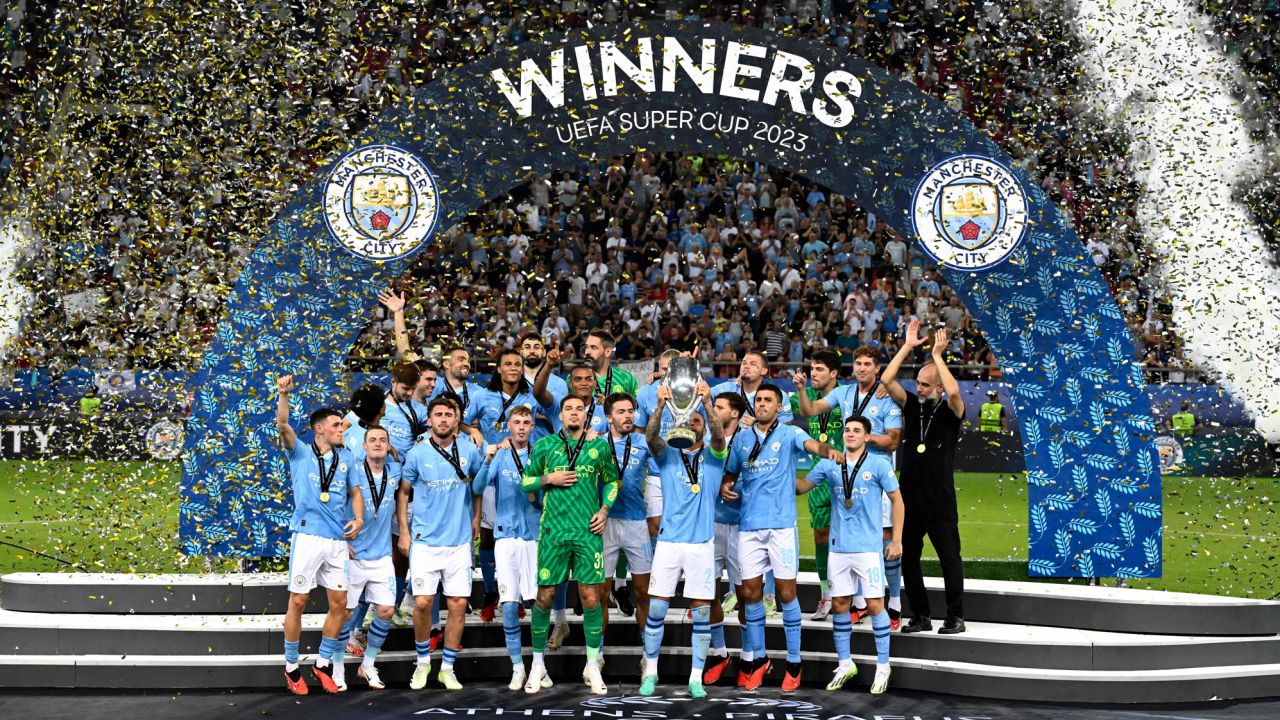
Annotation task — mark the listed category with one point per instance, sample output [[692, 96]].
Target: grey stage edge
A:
[[219, 598]]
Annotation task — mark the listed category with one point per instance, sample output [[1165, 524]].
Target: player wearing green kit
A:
[[580, 483], [828, 427]]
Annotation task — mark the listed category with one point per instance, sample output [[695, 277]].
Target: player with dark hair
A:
[[534, 352], [686, 547], [598, 352], [446, 519], [765, 457], [580, 485], [325, 516], [856, 487], [507, 389]]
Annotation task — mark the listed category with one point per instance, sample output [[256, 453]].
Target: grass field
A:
[[1220, 533]]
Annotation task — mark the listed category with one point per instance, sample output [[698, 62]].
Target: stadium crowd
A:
[[156, 216]]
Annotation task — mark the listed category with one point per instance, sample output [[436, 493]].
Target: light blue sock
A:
[[754, 636], [717, 636], [344, 637], [511, 630], [880, 626], [893, 574], [791, 624], [378, 630], [435, 611], [449, 656], [291, 652], [842, 628], [701, 636], [562, 597], [424, 651], [328, 646], [769, 588], [487, 571], [654, 627], [359, 614]]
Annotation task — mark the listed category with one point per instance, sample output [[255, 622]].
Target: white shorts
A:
[[771, 549], [430, 567], [516, 562], [727, 553], [653, 496], [631, 537], [315, 560], [488, 507], [846, 570], [696, 562], [376, 579]]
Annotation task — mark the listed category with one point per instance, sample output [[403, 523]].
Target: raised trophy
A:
[[682, 379]]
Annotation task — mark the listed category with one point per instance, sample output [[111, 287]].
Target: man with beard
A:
[[534, 353], [752, 373], [931, 419], [598, 352], [456, 362], [863, 398]]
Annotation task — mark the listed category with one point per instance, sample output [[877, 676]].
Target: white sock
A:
[[560, 618], [895, 603], [651, 666], [619, 583], [367, 663], [290, 667], [719, 652], [748, 655], [339, 674], [322, 662], [844, 664], [695, 676], [537, 660], [881, 666]]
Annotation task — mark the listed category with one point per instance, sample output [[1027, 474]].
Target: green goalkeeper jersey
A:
[[568, 510], [827, 427]]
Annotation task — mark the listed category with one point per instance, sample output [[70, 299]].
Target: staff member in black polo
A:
[[931, 419]]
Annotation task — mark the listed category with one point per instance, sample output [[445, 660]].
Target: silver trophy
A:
[[682, 379]]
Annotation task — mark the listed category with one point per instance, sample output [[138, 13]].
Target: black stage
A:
[[571, 700]]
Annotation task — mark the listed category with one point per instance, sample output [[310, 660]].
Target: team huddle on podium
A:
[[569, 479]]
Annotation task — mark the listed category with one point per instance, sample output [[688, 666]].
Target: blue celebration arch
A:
[[309, 287]]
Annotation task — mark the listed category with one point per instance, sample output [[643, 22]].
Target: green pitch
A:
[[1220, 533]]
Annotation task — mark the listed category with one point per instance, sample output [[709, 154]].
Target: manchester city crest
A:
[[381, 202], [970, 213]]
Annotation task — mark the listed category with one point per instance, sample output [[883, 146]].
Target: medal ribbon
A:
[[377, 495], [453, 459], [626, 455], [850, 478], [691, 469], [326, 478]]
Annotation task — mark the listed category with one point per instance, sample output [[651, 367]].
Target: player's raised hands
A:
[[913, 338], [940, 342], [284, 384], [392, 301]]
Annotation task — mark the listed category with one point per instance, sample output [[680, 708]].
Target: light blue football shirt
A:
[[630, 502], [767, 485], [516, 517], [688, 516], [858, 528], [489, 414], [442, 503], [785, 416], [374, 540], [399, 418], [883, 413], [310, 516]]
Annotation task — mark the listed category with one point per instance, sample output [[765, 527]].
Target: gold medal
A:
[[695, 489], [324, 497], [848, 502], [920, 448], [822, 437], [497, 427]]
